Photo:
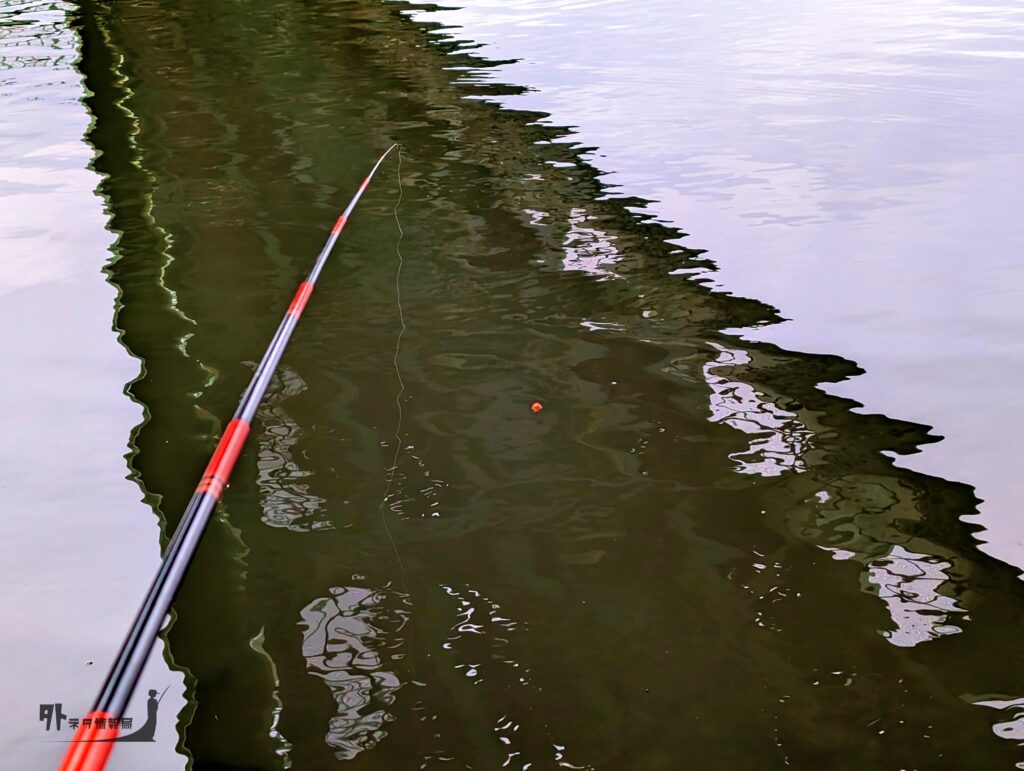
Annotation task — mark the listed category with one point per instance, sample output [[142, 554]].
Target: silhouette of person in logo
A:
[[148, 729]]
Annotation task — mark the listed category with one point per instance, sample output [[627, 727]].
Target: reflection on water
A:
[[781, 439], [274, 730], [479, 644], [348, 640], [587, 249], [636, 577], [37, 55], [480, 616], [1011, 725], [287, 501], [909, 584]]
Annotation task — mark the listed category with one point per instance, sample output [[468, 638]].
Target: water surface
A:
[[77, 545], [856, 164], [693, 557]]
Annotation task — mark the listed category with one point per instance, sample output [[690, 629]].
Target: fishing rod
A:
[[94, 741]]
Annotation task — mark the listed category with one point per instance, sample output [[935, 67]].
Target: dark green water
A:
[[692, 558]]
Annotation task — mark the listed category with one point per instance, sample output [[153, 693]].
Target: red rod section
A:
[[91, 745], [223, 461], [301, 298]]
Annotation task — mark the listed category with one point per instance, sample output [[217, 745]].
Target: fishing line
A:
[[393, 469]]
